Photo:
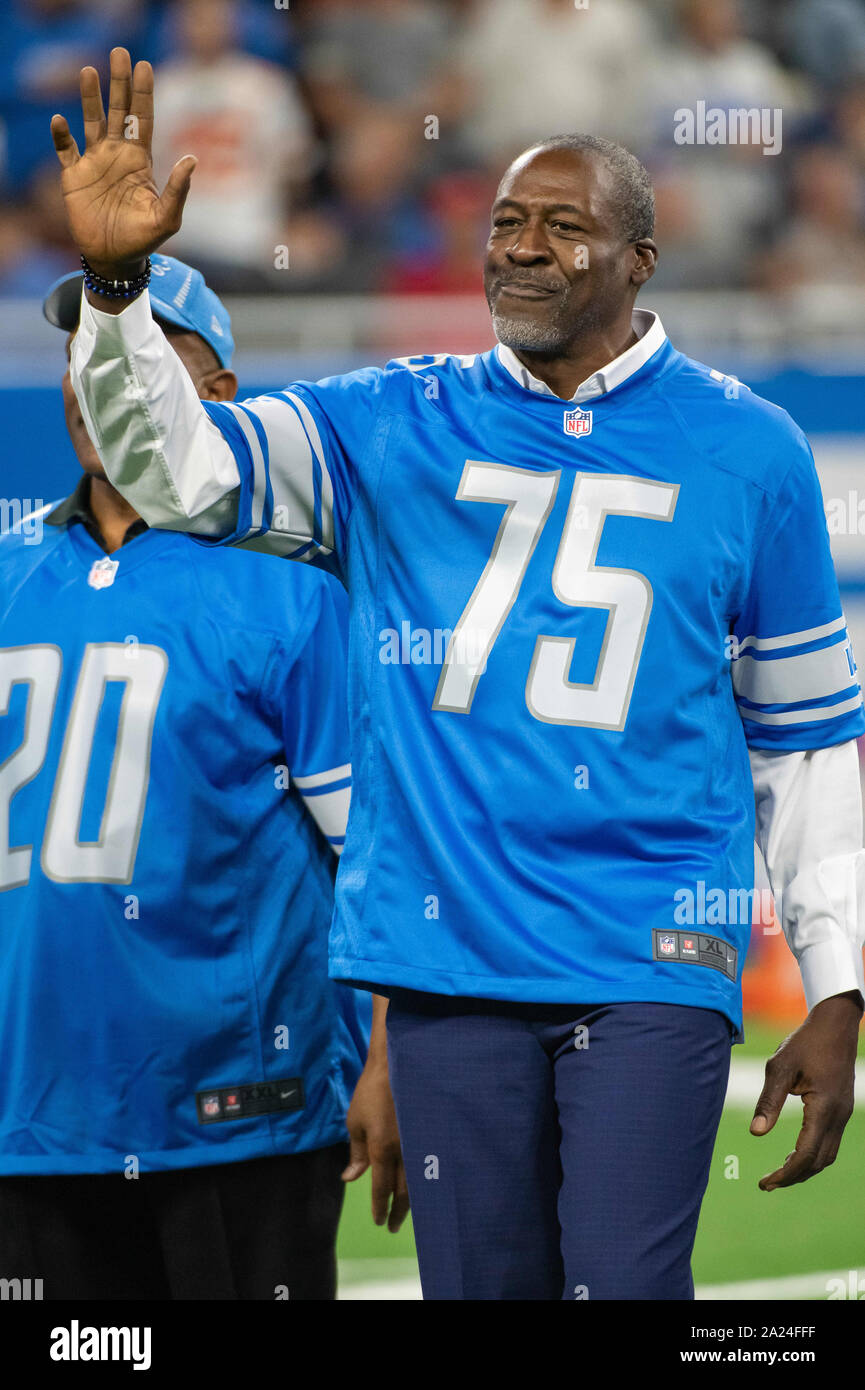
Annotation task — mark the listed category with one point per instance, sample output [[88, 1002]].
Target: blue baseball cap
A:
[[178, 296]]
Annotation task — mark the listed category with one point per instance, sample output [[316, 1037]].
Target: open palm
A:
[[116, 213]]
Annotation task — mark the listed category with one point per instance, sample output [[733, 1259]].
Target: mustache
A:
[[535, 282]]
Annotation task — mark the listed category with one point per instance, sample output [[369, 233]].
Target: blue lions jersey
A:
[[569, 623], [173, 755], [568, 626]]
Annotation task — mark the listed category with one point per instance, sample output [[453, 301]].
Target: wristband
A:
[[116, 289]]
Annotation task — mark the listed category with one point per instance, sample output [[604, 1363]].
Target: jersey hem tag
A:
[[695, 948], [243, 1102]]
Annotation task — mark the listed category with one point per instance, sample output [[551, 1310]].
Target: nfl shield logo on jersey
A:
[[578, 421], [102, 573], [667, 945]]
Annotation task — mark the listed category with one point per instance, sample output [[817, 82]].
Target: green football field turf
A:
[[744, 1234]]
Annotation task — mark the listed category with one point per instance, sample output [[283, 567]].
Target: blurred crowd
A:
[[354, 145]]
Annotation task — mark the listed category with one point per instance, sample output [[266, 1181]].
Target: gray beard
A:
[[528, 335]]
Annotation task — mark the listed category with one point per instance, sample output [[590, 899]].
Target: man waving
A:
[[624, 625]]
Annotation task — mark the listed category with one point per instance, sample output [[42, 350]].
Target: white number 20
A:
[[528, 498], [65, 857]]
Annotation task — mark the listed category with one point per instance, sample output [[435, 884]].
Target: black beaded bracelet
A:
[[116, 289]]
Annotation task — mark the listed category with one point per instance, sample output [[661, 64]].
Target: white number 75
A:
[[577, 581]]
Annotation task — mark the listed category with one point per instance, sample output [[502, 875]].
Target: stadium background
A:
[[347, 154]]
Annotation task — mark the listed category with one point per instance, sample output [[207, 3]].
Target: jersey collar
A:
[[651, 336]]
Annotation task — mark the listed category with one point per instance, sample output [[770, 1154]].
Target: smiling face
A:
[[558, 266]]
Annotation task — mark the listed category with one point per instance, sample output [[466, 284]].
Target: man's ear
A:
[[645, 259], [218, 385]]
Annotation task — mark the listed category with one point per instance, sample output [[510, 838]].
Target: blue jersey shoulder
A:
[[231, 584], [733, 426], [259, 590], [448, 383], [729, 424], [403, 377], [350, 404]]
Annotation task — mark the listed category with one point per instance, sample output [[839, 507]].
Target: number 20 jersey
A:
[[166, 740], [568, 625]]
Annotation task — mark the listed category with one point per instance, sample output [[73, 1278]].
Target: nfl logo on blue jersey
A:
[[102, 573], [578, 421], [667, 945]]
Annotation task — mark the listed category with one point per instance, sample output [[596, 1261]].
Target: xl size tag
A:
[[255, 1098], [695, 948]]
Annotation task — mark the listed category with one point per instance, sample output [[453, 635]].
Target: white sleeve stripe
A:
[[260, 472], [802, 716], [288, 545], [330, 811], [786, 680], [792, 639], [326, 484], [318, 779], [294, 468]]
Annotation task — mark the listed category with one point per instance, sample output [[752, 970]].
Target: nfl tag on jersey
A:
[[577, 422], [697, 948], [102, 572], [255, 1098]]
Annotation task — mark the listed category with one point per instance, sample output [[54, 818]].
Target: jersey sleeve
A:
[[278, 469], [306, 689], [297, 453], [793, 670]]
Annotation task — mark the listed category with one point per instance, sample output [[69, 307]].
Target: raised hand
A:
[[116, 213]]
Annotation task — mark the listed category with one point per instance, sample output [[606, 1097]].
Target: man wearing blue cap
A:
[[199, 330], [177, 1066], [197, 325]]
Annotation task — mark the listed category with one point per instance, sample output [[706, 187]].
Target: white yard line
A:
[[746, 1082], [383, 1290], [391, 1288], [790, 1286], [386, 1279]]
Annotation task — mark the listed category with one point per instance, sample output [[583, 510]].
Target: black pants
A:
[[262, 1229]]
